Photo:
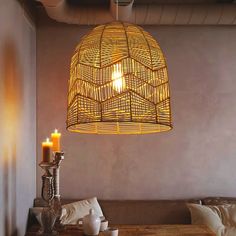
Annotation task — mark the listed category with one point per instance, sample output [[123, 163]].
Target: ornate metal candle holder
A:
[[51, 194]]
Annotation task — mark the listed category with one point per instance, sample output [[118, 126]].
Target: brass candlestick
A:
[[51, 194]]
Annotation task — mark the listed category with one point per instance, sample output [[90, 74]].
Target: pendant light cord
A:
[[117, 10]]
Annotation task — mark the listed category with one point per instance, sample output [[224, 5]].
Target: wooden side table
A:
[[141, 230]]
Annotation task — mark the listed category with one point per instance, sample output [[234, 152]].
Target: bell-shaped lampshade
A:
[[118, 83]]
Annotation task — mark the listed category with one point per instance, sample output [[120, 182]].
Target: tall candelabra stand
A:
[[51, 194]]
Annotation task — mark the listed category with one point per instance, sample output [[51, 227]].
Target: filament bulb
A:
[[118, 79]]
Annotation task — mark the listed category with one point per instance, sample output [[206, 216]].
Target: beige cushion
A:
[[220, 219], [72, 212]]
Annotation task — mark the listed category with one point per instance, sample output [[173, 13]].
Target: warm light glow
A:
[[56, 137], [118, 79], [47, 140], [46, 150], [119, 85]]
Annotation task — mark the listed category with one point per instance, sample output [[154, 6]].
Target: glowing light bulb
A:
[[118, 79]]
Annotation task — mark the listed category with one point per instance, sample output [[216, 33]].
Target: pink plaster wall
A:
[[196, 159]]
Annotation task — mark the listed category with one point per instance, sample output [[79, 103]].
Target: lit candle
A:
[[56, 147], [46, 146]]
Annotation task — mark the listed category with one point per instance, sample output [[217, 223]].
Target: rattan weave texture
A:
[[118, 83]]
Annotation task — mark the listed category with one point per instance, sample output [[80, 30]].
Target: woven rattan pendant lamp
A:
[[118, 83]]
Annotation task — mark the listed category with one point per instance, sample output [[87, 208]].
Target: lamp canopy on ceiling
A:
[[118, 83]]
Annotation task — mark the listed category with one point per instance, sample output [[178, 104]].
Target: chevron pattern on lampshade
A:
[[118, 83]]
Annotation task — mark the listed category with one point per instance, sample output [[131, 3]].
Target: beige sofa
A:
[[145, 211]]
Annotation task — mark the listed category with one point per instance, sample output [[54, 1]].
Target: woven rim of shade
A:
[[141, 106]]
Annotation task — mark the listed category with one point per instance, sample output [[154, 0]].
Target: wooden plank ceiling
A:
[[106, 2]]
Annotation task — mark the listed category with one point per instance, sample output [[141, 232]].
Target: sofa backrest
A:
[[147, 212], [218, 200], [142, 211]]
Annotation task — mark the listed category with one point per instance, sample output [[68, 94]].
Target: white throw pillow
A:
[[220, 219], [72, 212]]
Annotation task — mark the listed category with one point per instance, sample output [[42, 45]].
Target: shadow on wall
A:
[[12, 100]]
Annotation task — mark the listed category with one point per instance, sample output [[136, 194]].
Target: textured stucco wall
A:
[[196, 159], [17, 117]]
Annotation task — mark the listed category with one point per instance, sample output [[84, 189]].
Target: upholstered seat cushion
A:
[[221, 219]]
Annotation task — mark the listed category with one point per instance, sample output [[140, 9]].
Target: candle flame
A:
[[117, 77], [56, 131], [47, 140]]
